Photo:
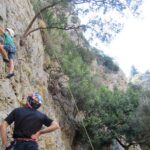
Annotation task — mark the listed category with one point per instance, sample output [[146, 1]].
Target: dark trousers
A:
[[24, 145]]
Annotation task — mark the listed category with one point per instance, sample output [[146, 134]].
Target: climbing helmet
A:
[[35, 100], [11, 31]]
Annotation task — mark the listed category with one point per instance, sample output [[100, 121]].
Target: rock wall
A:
[[30, 75], [108, 78]]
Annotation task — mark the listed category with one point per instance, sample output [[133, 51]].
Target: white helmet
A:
[[11, 32]]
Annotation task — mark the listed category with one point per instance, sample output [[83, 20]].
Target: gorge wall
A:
[[30, 75]]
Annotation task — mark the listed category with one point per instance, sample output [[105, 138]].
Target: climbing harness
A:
[[25, 139], [13, 143]]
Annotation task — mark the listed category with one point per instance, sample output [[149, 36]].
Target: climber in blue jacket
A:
[[8, 49], [28, 122]]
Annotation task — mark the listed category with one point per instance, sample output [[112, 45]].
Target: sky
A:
[[132, 45]]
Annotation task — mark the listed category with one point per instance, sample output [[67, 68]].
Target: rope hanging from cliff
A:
[[92, 147]]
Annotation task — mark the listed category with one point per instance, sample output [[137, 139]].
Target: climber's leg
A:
[[4, 53], [11, 69], [11, 65]]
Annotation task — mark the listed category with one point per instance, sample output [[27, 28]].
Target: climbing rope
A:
[[55, 54]]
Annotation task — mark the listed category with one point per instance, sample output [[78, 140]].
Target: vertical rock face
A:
[[2, 13], [110, 79], [30, 75]]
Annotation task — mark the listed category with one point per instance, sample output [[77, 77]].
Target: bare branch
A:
[[123, 145], [96, 2], [55, 27], [126, 145], [36, 15]]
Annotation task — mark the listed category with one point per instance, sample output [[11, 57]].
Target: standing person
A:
[[8, 50], [28, 122]]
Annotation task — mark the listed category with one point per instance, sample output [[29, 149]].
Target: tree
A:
[[98, 25], [104, 25], [111, 117], [142, 125]]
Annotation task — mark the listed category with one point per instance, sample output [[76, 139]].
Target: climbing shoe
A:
[[6, 60], [10, 75]]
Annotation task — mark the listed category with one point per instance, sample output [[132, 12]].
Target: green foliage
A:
[[48, 17], [86, 55], [36, 5], [75, 65], [110, 116], [107, 62], [54, 20], [71, 48], [57, 18], [142, 125]]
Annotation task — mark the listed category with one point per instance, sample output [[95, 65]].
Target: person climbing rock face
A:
[[28, 122], [8, 50]]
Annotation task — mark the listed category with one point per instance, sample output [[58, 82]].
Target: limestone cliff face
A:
[[108, 78], [30, 75]]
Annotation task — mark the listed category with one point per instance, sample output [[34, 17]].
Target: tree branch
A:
[[119, 141], [125, 146], [36, 15], [55, 27]]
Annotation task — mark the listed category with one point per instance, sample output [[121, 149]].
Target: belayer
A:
[[28, 122], [8, 49]]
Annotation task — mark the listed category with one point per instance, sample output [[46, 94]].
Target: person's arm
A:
[[2, 30], [7, 121], [3, 128], [54, 126]]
